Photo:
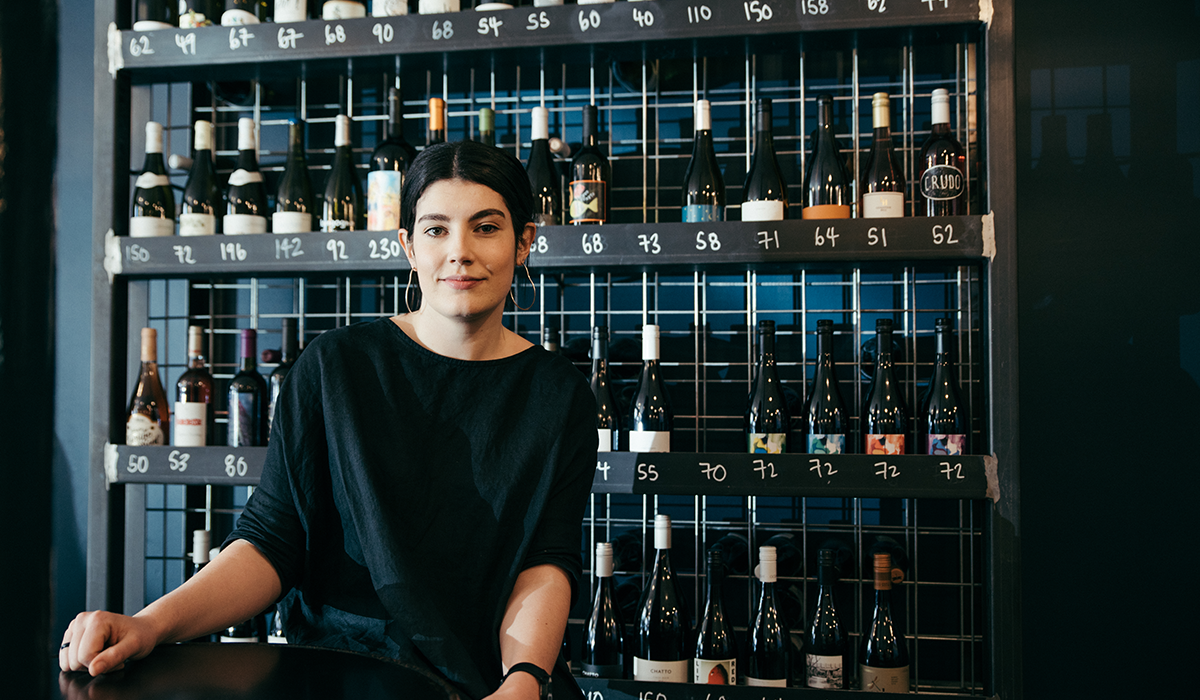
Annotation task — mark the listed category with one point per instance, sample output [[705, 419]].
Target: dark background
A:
[[1108, 184]]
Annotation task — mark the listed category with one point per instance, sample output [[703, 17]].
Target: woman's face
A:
[[464, 249]]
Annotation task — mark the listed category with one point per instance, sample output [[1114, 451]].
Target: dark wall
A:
[[1108, 151]]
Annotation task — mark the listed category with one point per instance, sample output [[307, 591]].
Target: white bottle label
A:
[[291, 222], [667, 671], [762, 211], [436, 7], [140, 430], [191, 423], [235, 224], [547, 3], [605, 444], [649, 441], [272, 639], [238, 640], [291, 10], [150, 226], [718, 672], [881, 205], [342, 9], [823, 671], [147, 25], [147, 181], [242, 176], [236, 18], [389, 8], [767, 682], [197, 224], [884, 680]]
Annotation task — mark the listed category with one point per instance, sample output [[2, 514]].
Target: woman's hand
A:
[[99, 642]]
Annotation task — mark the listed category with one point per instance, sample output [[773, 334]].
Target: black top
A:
[[404, 492]]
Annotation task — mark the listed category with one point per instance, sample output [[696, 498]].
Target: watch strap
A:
[[534, 670]]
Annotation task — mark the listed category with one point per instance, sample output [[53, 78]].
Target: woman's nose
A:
[[459, 248]]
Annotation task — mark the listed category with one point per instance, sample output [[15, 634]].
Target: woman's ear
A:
[[526, 243], [406, 245]]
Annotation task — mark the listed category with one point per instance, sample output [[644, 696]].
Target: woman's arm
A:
[[237, 585], [533, 627]]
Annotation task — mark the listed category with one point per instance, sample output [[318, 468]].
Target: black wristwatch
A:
[[542, 677]]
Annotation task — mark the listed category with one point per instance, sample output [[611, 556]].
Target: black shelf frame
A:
[[114, 306], [614, 689]]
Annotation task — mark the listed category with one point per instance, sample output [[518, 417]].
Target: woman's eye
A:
[[434, 231], [488, 228]]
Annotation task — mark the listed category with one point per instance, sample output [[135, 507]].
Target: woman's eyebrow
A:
[[484, 213]]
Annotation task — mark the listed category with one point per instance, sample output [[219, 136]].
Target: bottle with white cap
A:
[[153, 212], [343, 9], [663, 625], [943, 184], [543, 174], [604, 636], [201, 542], [343, 205], [246, 199], [652, 414], [766, 664], [882, 191], [198, 213], [389, 8], [703, 187]]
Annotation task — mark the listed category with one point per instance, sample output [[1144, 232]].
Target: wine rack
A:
[[955, 521]]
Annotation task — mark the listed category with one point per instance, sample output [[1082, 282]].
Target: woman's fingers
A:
[[99, 642]]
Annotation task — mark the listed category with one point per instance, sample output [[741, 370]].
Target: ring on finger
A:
[[64, 645]]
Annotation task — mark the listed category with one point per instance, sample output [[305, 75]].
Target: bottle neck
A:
[[825, 579], [883, 351], [940, 129], [395, 128], [883, 136], [195, 361], [824, 348], [599, 357], [766, 348], [154, 163], [247, 160], [764, 142], [712, 586]]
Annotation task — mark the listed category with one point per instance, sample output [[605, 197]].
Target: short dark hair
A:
[[474, 162]]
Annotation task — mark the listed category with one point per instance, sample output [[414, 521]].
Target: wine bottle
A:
[[764, 198], [276, 634], [342, 206], [885, 418], [153, 212], [826, 182], [735, 553], [201, 542], [437, 7], [703, 188], [239, 12], [389, 8], [249, 632], [943, 418], [487, 126], [767, 418], [715, 659], [590, 177], [389, 164], [608, 422], [155, 14], [148, 418], [343, 9], [290, 11], [662, 653], [294, 202], [437, 120], [194, 396], [197, 13], [652, 414], [198, 213], [825, 421], [604, 636], [291, 348], [246, 200], [766, 664], [884, 666], [826, 647], [882, 191], [247, 390], [943, 190], [543, 173]]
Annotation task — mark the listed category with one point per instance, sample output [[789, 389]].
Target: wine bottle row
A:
[[941, 422], [250, 398], [664, 647], [254, 630]]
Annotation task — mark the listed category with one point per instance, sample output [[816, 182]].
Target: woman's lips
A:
[[459, 282]]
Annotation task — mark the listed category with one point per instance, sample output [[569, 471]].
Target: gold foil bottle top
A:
[[149, 345], [881, 111], [437, 114], [883, 572]]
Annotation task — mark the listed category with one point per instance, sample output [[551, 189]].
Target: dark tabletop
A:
[[257, 672]]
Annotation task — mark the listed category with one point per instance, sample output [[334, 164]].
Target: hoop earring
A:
[[513, 296], [408, 289]]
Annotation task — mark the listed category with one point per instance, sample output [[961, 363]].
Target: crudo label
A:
[[823, 671], [881, 205], [191, 418], [587, 201], [950, 445], [193, 224], [605, 444], [714, 672], [343, 9], [765, 210], [767, 682], [889, 444], [826, 444], [291, 222], [649, 441], [826, 211], [767, 443], [235, 224], [669, 671], [147, 181], [700, 213], [140, 430], [150, 226], [383, 200], [884, 680], [241, 177], [942, 182]]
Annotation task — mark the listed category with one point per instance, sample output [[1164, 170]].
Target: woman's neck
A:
[[478, 339]]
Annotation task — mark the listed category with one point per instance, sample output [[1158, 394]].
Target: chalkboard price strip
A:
[[165, 464]]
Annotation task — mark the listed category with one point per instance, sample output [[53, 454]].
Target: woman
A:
[[426, 476]]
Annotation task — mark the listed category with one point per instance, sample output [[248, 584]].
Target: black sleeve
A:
[[559, 536], [274, 517]]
